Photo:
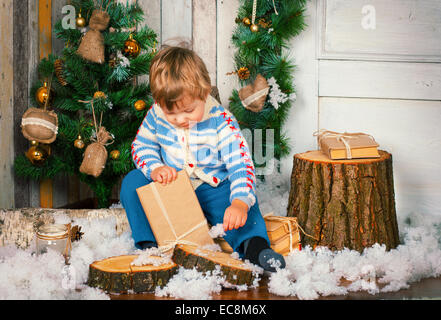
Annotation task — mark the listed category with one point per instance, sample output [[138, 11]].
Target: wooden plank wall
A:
[[6, 103], [198, 21]]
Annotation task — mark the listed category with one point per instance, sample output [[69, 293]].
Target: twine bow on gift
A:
[[342, 137], [102, 135], [291, 223], [178, 239]]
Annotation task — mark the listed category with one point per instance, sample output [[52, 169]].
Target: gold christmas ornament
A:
[[140, 105], [80, 21], [243, 73], [131, 48], [254, 28], [37, 154], [58, 65], [246, 21], [79, 143], [114, 154], [99, 95], [43, 93]]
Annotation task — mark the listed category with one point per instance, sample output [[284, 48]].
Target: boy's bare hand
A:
[[164, 175], [235, 215]]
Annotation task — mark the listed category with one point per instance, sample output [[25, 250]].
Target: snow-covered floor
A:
[[308, 275]]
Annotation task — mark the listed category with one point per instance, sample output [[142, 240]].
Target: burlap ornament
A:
[[253, 96], [40, 125], [95, 156], [92, 44]]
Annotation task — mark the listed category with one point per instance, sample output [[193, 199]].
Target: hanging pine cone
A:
[[59, 72], [243, 73]]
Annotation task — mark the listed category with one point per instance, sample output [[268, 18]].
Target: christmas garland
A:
[[263, 29]]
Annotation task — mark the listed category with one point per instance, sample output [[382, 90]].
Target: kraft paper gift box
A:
[[346, 145], [174, 213], [283, 233]]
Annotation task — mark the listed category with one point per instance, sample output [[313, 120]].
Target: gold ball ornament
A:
[[131, 48], [140, 105], [37, 155], [114, 154], [79, 143], [43, 93], [246, 21], [80, 21], [254, 28], [99, 95]]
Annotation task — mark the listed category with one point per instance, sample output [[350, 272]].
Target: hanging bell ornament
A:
[[140, 105], [131, 48], [114, 154], [37, 154], [80, 21], [79, 143], [246, 21], [43, 93], [254, 28]]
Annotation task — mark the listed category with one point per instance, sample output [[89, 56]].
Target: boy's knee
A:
[[133, 180]]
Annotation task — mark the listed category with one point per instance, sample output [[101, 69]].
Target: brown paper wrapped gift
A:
[[174, 213], [347, 145], [283, 233]]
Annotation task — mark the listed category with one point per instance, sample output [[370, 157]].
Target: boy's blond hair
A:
[[175, 71]]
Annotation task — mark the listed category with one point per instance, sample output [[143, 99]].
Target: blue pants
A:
[[213, 201]]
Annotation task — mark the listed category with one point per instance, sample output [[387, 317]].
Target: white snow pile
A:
[[309, 274]]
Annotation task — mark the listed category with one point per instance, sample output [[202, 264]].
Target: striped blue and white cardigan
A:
[[211, 151]]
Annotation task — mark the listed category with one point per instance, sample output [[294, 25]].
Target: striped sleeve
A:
[[235, 154], [145, 147]]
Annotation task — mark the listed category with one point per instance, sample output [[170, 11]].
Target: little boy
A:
[[187, 129]]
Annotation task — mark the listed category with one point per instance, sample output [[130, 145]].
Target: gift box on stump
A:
[[174, 213], [347, 145], [283, 233]]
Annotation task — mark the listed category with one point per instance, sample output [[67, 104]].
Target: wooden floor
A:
[[429, 288]]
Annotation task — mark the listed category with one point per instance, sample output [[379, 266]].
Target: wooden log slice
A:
[[344, 203], [117, 275], [235, 271]]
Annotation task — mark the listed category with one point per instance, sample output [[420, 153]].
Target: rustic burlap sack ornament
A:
[[40, 125], [92, 44], [253, 96], [95, 156]]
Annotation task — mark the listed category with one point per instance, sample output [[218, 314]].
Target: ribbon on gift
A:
[[291, 223], [342, 137], [178, 239]]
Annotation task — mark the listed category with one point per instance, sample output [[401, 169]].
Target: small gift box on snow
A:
[[346, 145], [174, 213]]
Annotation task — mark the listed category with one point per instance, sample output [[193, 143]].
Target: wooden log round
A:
[[236, 272], [118, 275], [344, 203]]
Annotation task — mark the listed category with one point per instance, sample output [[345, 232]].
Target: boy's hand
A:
[[164, 175], [235, 215]]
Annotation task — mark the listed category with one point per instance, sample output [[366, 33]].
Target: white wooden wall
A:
[[384, 81]]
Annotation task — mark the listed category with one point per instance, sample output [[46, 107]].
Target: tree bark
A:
[[235, 271], [117, 275], [344, 203]]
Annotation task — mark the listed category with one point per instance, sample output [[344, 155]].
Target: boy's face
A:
[[186, 112]]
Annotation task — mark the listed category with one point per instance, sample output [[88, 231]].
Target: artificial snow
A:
[[309, 274]]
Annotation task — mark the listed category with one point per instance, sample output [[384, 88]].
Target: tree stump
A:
[[235, 271], [117, 275], [344, 203]]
